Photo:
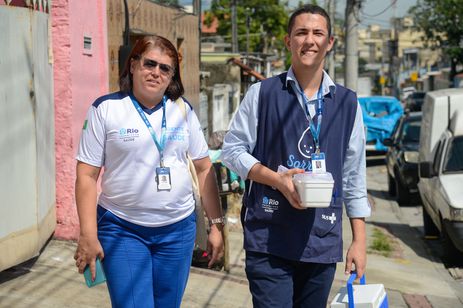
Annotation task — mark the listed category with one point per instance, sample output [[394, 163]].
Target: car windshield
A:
[[454, 159], [411, 132], [419, 95]]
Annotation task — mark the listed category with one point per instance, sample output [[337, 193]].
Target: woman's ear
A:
[[132, 66]]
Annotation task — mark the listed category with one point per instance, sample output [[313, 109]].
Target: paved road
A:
[[414, 275]]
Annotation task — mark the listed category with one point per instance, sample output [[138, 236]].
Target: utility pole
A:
[[248, 24], [234, 27], [331, 62], [351, 50]]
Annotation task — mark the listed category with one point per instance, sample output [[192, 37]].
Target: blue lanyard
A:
[[315, 131], [159, 144]]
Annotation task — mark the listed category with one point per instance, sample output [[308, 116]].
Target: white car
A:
[[441, 169], [407, 91]]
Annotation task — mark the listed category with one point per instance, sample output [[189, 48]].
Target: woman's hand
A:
[[88, 249], [214, 245]]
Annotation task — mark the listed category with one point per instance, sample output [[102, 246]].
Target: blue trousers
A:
[[145, 267], [281, 283]]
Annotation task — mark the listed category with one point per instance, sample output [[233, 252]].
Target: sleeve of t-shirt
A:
[[198, 146], [92, 139]]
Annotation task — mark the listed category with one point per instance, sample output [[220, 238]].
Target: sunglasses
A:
[[165, 69]]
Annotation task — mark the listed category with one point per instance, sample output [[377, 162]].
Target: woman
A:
[[143, 225]]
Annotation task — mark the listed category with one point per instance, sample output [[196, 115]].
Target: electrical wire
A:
[[393, 2]]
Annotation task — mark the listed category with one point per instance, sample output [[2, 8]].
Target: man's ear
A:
[[330, 44], [287, 42]]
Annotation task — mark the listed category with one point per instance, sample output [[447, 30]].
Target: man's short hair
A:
[[309, 9]]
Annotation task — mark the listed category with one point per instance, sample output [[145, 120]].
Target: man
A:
[[291, 252]]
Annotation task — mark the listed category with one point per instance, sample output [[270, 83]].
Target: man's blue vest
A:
[[271, 224]]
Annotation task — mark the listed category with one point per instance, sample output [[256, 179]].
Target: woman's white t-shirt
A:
[[115, 137]]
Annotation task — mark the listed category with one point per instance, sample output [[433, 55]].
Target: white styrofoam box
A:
[[365, 296], [314, 189]]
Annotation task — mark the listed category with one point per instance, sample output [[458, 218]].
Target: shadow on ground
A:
[[413, 237]]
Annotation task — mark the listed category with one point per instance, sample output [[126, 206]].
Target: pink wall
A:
[[80, 76]]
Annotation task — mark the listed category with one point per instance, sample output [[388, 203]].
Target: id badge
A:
[[318, 163], [163, 178]]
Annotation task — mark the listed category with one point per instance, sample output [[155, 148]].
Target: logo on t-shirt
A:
[[128, 134], [175, 134]]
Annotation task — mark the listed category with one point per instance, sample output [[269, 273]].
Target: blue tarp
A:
[[380, 114]]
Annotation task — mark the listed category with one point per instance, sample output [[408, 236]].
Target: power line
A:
[[393, 2]]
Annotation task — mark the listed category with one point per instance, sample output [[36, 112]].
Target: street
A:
[[413, 273]]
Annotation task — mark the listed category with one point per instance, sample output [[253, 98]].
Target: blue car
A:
[[380, 115]]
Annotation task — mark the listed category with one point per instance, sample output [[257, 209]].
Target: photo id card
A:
[[318, 163], [163, 178]]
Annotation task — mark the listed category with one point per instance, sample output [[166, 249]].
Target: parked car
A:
[[407, 91], [380, 115], [414, 101], [441, 169], [402, 158]]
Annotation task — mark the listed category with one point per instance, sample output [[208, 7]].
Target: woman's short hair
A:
[[146, 43]]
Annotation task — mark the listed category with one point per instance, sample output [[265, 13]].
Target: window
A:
[[87, 45], [454, 159], [435, 164], [411, 132], [396, 131]]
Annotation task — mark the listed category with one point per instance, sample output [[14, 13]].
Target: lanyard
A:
[[315, 131], [159, 144]]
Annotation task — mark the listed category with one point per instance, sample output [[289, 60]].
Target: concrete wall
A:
[[27, 167], [222, 87], [81, 75], [178, 26]]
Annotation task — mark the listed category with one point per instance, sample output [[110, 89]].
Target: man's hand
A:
[[357, 252], [286, 187]]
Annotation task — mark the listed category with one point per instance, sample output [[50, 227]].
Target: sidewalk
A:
[[410, 276]]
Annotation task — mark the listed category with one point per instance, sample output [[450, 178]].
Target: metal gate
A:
[[27, 156]]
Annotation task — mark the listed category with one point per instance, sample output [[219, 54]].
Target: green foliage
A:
[[442, 24], [267, 27], [381, 243], [302, 3]]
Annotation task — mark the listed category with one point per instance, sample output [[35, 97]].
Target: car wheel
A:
[[402, 194], [451, 254], [391, 185], [430, 229]]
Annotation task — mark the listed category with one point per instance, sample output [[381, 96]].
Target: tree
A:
[[440, 22], [268, 20]]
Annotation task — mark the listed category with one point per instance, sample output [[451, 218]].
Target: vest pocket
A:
[[326, 219]]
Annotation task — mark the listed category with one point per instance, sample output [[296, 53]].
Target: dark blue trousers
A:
[[281, 283]]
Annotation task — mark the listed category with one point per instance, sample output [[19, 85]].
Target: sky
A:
[[376, 11], [372, 12]]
